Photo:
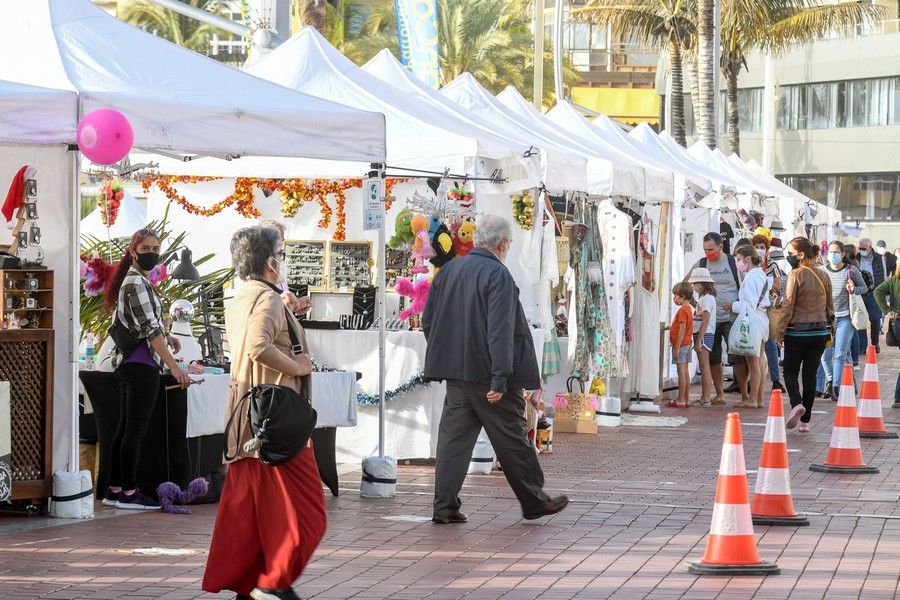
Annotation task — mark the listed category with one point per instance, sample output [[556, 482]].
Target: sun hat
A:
[[701, 275]]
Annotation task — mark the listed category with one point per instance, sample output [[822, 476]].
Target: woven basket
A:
[[562, 254]]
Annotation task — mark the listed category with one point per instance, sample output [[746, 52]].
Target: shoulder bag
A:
[[281, 419], [747, 334], [859, 314]]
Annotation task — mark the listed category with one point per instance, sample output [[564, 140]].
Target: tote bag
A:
[[859, 314], [746, 336]]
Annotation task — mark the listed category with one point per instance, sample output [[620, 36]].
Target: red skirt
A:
[[269, 522]]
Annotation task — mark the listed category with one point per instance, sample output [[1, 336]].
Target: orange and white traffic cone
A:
[[871, 418], [731, 546], [844, 452], [773, 503]]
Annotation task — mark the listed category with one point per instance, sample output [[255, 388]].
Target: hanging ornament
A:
[[523, 210]]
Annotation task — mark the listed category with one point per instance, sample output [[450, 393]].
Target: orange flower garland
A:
[[294, 193]]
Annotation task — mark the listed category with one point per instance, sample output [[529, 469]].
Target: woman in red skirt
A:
[[270, 519]]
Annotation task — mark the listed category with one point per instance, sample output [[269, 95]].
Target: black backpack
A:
[[281, 419]]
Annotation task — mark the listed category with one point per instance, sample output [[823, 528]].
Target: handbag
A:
[[122, 337], [892, 338], [281, 419], [859, 314]]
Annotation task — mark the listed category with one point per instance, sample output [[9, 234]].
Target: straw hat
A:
[[701, 275]]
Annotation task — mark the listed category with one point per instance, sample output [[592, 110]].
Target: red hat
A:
[[15, 198]]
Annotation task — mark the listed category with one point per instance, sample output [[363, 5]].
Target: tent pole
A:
[[75, 292], [382, 318]]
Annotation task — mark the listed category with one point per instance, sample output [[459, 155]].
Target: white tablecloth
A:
[[333, 397]]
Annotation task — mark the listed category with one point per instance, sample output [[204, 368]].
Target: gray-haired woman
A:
[[270, 519]]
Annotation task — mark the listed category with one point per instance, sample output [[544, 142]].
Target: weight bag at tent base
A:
[[871, 417], [73, 495], [844, 452], [773, 503], [482, 461], [379, 478], [731, 545]]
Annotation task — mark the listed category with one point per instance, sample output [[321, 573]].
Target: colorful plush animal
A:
[[463, 237], [417, 291], [422, 249], [442, 242], [172, 498], [403, 234]]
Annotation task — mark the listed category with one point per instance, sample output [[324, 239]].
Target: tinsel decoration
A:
[[373, 399], [523, 210]]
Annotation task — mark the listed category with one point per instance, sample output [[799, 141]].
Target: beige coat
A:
[[260, 347]]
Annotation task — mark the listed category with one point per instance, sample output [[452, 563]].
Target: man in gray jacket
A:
[[480, 343]]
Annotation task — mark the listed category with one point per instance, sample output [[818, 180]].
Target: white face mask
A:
[[761, 252], [281, 271]]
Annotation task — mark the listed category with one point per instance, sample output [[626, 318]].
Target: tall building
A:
[[837, 122]]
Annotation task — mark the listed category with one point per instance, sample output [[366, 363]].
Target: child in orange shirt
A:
[[682, 339]]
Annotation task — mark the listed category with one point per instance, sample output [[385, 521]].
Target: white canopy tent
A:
[[178, 102], [36, 115]]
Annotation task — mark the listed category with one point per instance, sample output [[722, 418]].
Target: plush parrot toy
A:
[[442, 242], [417, 291], [403, 235]]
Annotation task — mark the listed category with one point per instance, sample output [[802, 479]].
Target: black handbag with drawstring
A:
[[281, 419]]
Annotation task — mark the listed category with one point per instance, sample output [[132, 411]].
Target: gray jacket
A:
[[476, 328]]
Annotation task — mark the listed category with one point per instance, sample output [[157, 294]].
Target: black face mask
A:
[[147, 260], [793, 261]]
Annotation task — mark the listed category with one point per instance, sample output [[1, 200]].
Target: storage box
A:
[[566, 425]]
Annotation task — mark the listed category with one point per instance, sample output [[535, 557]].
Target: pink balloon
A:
[[105, 136]]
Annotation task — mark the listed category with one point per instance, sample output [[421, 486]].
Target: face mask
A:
[[147, 260], [743, 267], [834, 257], [712, 256], [761, 252], [281, 271], [880, 250], [793, 261], [864, 253]]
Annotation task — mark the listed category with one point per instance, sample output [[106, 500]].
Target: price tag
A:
[[373, 192]]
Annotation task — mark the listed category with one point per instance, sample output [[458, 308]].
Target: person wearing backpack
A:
[[722, 268]]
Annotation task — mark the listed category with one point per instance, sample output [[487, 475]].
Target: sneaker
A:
[[456, 517], [111, 498], [795, 414], [136, 501], [856, 366], [264, 594]]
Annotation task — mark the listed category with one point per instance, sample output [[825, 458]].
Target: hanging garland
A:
[[523, 210], [294, 193], [108, 201], [373, 399]]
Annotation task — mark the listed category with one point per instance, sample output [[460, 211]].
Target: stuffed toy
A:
[[442, 242], [463, 237], [417, 291], [403, 233], [433, 224], [422, 249], [170, 494]]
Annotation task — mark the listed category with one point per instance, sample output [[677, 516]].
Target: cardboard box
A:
[[570, 426]]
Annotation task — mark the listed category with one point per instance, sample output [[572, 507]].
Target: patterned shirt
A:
[[140, 310]]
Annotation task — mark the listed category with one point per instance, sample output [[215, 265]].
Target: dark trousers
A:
[[802, 355], [466, 411], [138, 386]]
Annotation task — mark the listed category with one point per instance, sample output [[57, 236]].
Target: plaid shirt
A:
[[140, 310]]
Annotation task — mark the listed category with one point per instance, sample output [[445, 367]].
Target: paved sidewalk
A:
[[641, 507]]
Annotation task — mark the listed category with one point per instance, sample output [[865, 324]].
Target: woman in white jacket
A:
[[753, 296]]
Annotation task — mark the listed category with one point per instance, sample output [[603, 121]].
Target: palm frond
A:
[[795, 25]]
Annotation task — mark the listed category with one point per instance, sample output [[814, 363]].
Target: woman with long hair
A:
[[773, 271], [270, 518], [805, 327], [131, 296], [753, 296]]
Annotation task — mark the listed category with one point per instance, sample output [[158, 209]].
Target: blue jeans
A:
[[857, 344], [834, 358], [772, 358]]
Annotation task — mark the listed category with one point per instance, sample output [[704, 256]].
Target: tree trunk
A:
[[690, 69], [734, 117], [313, 13], [677, 98], [707, 69]]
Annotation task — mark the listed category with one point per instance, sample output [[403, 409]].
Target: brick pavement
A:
[[641, 507]]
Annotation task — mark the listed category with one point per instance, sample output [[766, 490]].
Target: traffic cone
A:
[[731, 546], [772, 500], [871, 419], [844, 452]]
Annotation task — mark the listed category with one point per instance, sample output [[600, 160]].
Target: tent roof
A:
[[36, 115], [657, 143], [564, 169], [176, 99], [785, 189], [387, 68], [418, 134]]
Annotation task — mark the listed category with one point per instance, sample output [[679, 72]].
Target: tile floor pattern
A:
[[641, 507]]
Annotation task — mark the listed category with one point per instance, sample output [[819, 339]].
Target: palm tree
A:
[[184, 31], [667, 24], [776, 26], [706, 71], [310, 12]]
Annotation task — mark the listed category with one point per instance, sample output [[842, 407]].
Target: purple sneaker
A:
[[136, 501], [111, 498]]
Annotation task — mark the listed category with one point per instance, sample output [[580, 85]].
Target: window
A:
[[820, 106], [859, 197]]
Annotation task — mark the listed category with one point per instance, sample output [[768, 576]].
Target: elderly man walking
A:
[[480, 344]]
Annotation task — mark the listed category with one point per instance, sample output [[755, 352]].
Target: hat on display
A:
[[701, 275], [776, 253], [776, 226], [775, 243]]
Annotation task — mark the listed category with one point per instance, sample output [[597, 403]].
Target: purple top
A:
[[141, 356]]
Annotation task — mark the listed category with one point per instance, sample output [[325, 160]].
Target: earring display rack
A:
[[348, 264], [306, 263]]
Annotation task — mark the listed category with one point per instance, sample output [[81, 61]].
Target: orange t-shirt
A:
[[684, 315]]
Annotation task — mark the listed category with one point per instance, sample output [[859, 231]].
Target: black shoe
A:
[[264, 594], [456, 517], [552, 506], [732, 389], [828, 391], [776, 385], [877, 349]]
